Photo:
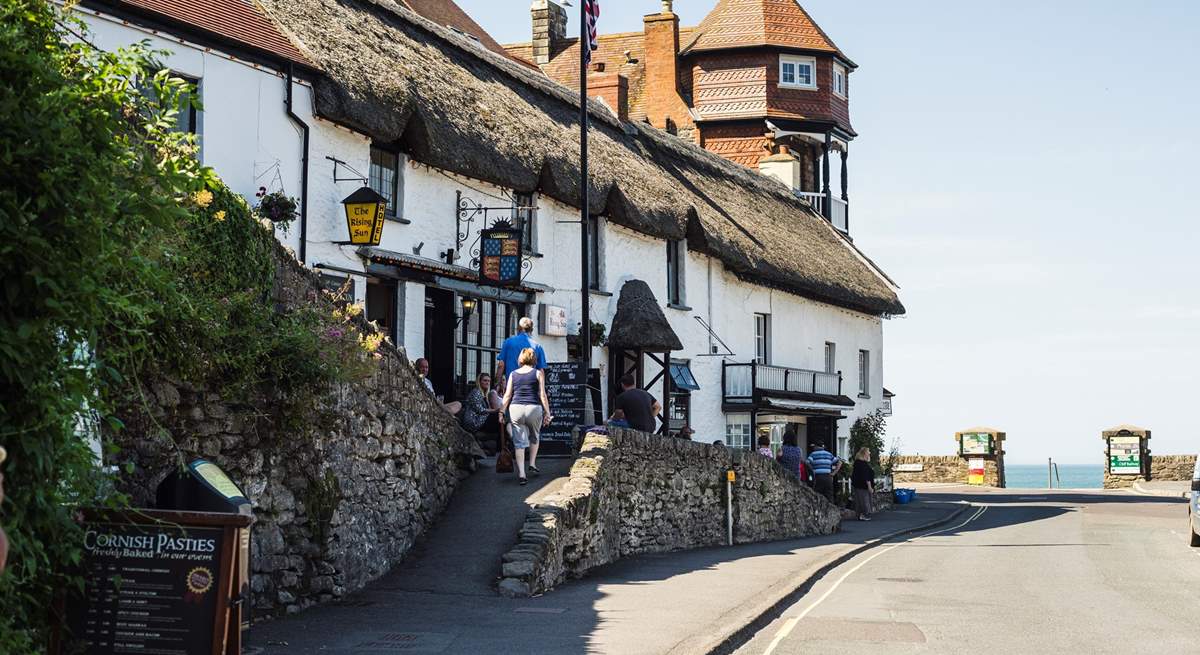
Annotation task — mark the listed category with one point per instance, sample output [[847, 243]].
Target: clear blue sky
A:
[[1027, 171]]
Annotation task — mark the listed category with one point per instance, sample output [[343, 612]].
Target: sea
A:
[[1070, 476]]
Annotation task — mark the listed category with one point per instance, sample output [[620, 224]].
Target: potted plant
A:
[[276, 206]]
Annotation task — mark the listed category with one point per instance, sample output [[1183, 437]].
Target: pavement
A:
[[1022, 571], [1161, 488], [440, 600]]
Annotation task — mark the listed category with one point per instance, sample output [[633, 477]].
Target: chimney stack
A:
[[549, 29], [664, 105]]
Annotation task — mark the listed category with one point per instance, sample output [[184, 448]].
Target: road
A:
[[1020, 572]]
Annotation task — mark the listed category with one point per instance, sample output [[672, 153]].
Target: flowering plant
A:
[[276, 207]]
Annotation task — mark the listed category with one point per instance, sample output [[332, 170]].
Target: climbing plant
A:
[[121, 259]]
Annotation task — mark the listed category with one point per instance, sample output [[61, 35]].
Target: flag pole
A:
[[585, 326]]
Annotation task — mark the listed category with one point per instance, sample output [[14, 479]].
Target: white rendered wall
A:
[[248, 139]]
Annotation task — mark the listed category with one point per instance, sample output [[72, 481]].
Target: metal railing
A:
[[742, 379], [838, 213]]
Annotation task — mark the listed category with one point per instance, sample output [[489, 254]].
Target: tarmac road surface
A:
[[1023, 571]]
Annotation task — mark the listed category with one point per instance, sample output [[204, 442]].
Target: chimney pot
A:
[[667, 7]]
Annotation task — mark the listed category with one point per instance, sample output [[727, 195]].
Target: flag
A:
[[592, 9]]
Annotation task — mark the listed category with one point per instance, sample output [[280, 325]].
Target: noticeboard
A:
[[566, 389], [154, 582], [1125, 455], [975, 471], [975, 443]]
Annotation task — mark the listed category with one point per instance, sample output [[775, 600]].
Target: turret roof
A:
[[750, 23]]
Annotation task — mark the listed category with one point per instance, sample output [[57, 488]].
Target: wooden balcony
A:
[[744, 383], [839, 210]]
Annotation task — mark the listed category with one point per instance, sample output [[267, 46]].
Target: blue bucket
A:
[[904, 496]]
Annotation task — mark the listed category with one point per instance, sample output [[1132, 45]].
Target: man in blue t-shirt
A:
[[506, 361]]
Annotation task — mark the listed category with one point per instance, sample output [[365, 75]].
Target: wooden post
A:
[[825, 176], [846, 185]]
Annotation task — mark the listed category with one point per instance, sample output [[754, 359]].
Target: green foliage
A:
[[122, 259], [869, 431]]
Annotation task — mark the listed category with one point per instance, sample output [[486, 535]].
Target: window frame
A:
[[797, 61], [393, 206], [525, 217], [864, 374], [737, 429], [763, 338], [840, 82], [676, 266], [830, 357]]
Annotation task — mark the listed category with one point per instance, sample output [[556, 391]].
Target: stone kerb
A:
[[630, 492]]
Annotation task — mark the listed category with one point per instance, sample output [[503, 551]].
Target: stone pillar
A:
[[987, 445], [1126, 456]]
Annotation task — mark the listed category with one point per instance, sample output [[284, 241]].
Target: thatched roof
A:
[[640, 322], [454, 105]]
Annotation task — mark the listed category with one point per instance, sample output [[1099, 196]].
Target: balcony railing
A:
[[838, 210], [742, 380]]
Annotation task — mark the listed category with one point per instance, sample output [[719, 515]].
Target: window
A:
[[683, 383], [385, 178], [762, 338], [478, 338], [381, 305], [737, 430], [187, 121], [864, 374], [525, 217], [676, 252], [830, 357], [798, 72], [594, 253], [839, 80]]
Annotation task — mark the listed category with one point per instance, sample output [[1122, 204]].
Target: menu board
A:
[[149, 588], [566, 389]]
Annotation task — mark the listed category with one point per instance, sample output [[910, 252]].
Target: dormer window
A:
[[797, 72], [839, 81]]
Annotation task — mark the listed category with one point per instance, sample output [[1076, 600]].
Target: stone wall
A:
[[946, 468], [631, 492], [1172, 467], [336, 504]]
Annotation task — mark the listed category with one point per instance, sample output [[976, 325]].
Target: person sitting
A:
[[764, 446], [479, 415], [639, 406], [422, 364], [617, 420]]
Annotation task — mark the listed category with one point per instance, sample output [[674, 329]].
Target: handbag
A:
[[504, 457]]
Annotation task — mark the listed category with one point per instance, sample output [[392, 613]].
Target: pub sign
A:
[[364, 216], [500, 254]]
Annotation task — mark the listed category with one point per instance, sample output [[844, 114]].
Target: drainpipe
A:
[[303, 170]]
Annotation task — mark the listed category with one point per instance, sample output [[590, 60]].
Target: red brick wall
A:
[[741, 141], [660, 96]]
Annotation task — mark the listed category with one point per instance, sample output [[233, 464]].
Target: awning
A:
[[813, 405], [681, 375]]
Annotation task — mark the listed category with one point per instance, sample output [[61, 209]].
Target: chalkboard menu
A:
[[154, 587], [566, 389]]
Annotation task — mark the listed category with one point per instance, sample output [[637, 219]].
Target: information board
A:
[[975, 473], [150, 588], [1125, 455], [976, 443], [566, 389]]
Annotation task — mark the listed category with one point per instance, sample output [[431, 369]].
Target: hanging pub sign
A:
[[500, 254], [364, 216]]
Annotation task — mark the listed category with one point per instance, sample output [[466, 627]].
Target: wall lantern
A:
[[364, 216], [468, 308]]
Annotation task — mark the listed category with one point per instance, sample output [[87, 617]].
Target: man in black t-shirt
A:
[[639, 406]]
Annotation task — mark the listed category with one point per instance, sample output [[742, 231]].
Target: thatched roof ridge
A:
[[457, 106], [640, 323]]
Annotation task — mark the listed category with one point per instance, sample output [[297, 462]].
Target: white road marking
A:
[[791, 623]]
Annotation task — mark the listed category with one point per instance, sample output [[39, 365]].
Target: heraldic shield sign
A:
[[500, 254]]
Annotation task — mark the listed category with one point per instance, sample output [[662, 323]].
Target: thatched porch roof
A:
[[640, 323], [454, 105]]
